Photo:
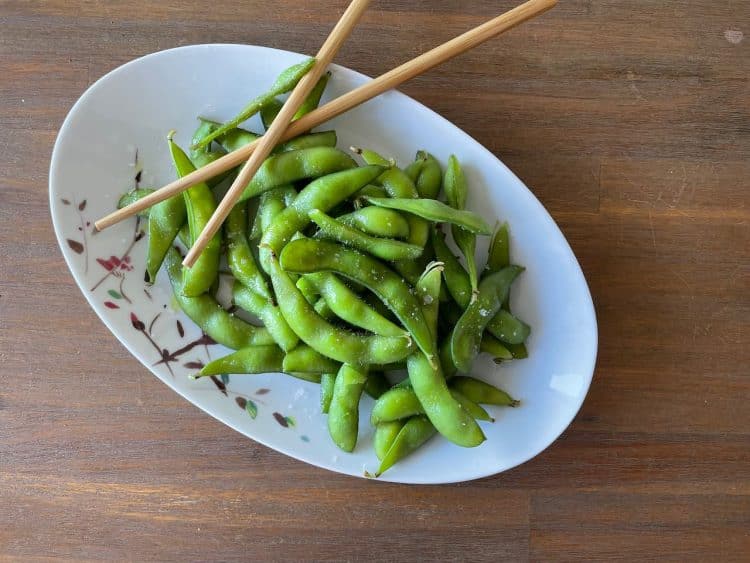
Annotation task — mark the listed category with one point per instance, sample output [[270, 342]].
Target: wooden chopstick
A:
[[328, 50], [344, 103]]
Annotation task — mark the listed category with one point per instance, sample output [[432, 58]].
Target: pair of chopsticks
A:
[[255, 153]]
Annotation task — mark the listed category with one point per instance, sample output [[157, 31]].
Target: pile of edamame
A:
[[346, 269]]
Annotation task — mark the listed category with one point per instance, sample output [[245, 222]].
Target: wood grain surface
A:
[[630, 120]]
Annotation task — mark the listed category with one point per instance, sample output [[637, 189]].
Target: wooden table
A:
[[631, 123]]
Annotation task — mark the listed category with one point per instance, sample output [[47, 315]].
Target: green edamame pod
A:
[[395, 404], [308, 290], [238, 138], [377, 221], [269, 112], [435, 211], [373, 191], [234, 138], [508, 328], [206, 312], [327, 382], [499, 251], [474, 409], [252, 359], [308, 141], [285, 82], [321, 307], [205, 128], [372, 157], [271, 203], [322, 193], [348, 306], [503, 326], [518, 350], [414, 433], [446, 360], [164, 224], [308, 255], [132, 196], [385, 434], [202, 157], [481, 392], [414, 169], [304, 358], [313, 98], [428, 382], [288, 167], [401, 402], [428, 179], [240, 258], [343, 412], [398, 185], [165, 219], [334, 342], [456, 192], [456, 278], [200, 205], [268, 312], [492, 346], [467, 333], [428, 290], [383, 248], [445, 413]]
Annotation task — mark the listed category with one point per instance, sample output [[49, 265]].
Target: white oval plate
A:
[[125, 117]]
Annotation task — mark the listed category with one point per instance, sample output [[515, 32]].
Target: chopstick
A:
[[267, 142], [344, 103]]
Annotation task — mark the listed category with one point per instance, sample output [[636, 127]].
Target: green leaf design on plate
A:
[[290, 421], [114, 294], [225, 378], [251, 409]]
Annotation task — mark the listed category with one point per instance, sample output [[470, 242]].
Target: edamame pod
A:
[[288, 167], [343, 412], [385, 434], [207, 313], [199, 205], [347, 305], [240, 258], [285, 82], [271, 203], [428, 179], [401, 402], [435, 211], [132, 196], [492, 346], [383, 248], [252, 359], [322, 194], [304, 358], [307, 255], [467, 334], [377, 221], [269, 313], [456, 192], [327, 382], [481, 392], [414, 433], [334, 342]]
